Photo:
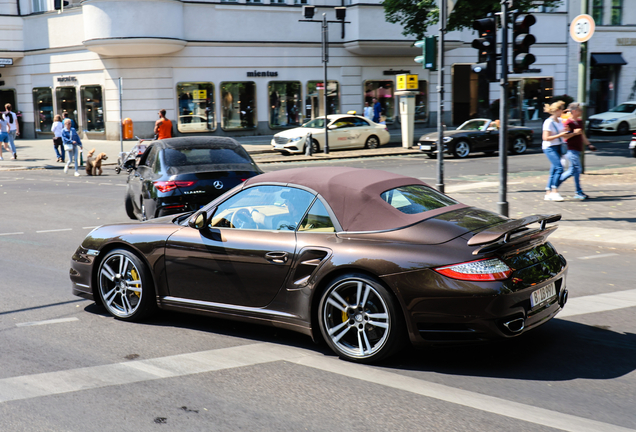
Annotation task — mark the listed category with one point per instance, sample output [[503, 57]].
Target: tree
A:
[[416, 15]]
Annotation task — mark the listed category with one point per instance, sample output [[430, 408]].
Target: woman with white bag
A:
[[72, 145]]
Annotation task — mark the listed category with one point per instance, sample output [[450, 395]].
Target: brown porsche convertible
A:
[[363, 259]]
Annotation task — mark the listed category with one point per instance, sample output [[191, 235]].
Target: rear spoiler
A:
[[504, 234]]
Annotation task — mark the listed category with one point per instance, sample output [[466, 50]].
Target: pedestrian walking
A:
[[377, 110], [58, 145], [72, 145], [575, 142], [66, 116], [368, 111], [163, 126], [4, 134], [553, 136], [14, 128]]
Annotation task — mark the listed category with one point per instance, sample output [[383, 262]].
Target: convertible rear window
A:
[[416, 199], [205, 156]]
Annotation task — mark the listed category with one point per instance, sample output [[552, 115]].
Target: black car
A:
[[477, 135], [178, 175]]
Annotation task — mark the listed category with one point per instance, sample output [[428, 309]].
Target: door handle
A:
[[277, 257]]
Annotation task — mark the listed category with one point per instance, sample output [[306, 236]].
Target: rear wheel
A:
[[372, 142], [623, 128], [360, 319], [634, 152], [125, 286], [129, 208], [461, 149], [519, 145]]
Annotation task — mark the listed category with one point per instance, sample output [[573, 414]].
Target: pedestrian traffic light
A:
[[57, 4], [486, 43], [428, 59], [521, 41]]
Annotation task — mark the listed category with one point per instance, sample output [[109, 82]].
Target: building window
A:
[[238, 105], [301, 2], [315, 98], [617, 12], [197, 112], [252, 1], [285, 104], [43, 105], [92, 108], [421, 102], [66, 98], [597, 11], [383, 92], [40, 5]]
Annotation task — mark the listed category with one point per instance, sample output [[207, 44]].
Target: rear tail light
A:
[[174, 206], [167, 186], [492, 269]]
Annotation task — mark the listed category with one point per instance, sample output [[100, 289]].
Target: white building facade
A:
[[238, 68]]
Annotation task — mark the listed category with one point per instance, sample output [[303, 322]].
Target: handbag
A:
[[68, 147]]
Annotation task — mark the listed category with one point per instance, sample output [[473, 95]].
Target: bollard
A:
[[308, 146]]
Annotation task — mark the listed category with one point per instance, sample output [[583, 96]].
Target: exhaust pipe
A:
[[563, 298], [516, 325]]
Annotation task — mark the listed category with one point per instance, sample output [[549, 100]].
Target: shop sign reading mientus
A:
[[262, 74], [63, 79]]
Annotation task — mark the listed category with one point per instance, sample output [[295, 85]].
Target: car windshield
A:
[[416, 199], [624, 108], [204, 156], [315, 123], [474, 125]]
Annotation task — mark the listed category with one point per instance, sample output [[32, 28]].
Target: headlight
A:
[[609, 121], [295, 139], [448, 139]]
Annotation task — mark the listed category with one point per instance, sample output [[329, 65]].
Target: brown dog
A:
[[94, 164]]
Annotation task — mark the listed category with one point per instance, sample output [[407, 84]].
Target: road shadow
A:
[[558, 351]]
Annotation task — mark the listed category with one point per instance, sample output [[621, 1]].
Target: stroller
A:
[[128, 160]]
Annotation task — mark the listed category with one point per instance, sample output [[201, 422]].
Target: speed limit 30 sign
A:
[[582, 28]]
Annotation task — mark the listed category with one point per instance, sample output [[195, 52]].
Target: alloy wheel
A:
[[372, 142], [519, 146], [120, 284], [462, 149]]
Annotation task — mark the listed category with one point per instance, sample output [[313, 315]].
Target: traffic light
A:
[[57, 4], [487, 46], [521, 41], [428, 59]]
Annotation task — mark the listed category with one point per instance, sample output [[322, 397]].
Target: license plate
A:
[[542, 295], [279, 146], [425, 147]]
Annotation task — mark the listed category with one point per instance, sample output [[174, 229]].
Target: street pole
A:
[[582, 87], [440, 97], [503, 113], [325, 59], [121, 115]]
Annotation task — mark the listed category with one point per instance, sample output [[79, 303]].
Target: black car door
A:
[[243, 257], [138, 176]]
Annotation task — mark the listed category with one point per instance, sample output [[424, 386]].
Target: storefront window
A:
[[383, 92], [92, 108], [421, 102], [315, 99], [536, 92], [197, 111], [238, 105], [43, 105], [66, 98], [285, 104]]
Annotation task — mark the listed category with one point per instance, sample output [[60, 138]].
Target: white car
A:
[[621, 119], [345, 131]]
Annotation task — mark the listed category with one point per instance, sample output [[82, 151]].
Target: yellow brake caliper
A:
[[135, 277]]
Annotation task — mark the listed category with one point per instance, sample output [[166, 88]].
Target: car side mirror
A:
[[332, 127], [198, 220]]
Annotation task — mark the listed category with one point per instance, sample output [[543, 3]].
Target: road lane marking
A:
[[469, 186], [54, 230], [73, 380], [599, 303], [15, 233], [51, 321], [479, 401], [93, 227], [597, 256]]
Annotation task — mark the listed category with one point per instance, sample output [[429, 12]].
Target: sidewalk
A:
[[608, 219]]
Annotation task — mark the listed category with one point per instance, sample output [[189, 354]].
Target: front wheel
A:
[[315, 147], [634, 152], [360, 319], [519, 145], [623, 128], [125, 286], [461, 149], [129, 208], [372, 142]]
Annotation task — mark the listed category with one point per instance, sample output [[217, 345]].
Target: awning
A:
[[608, 59]]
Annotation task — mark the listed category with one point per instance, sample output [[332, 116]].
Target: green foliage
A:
[[416, 15]]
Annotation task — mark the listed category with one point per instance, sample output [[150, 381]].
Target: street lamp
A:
[[341, 13]]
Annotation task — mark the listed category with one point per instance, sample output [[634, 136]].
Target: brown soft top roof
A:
[[353, 194]]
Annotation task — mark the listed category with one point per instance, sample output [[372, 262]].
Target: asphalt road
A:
[[68, 366]]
